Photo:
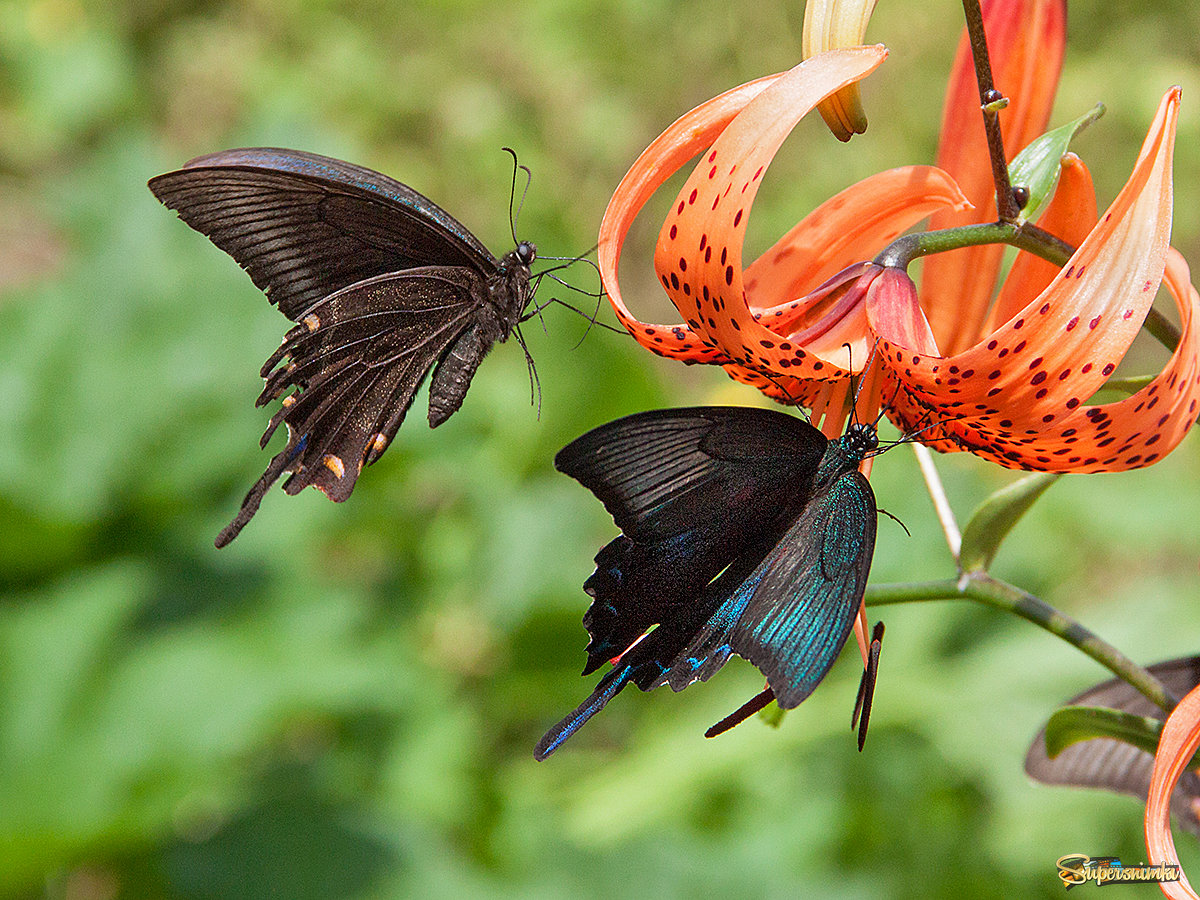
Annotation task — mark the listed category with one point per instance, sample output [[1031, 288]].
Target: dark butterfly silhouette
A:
[[385, 285], [744, 531], [1115, 765]]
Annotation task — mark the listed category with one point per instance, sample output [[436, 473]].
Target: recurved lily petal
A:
[[850, 226], [1026, 40], [1017, 397], [834, 25], [699, 252], [686, 137], [1179, 742], [1071, 216]]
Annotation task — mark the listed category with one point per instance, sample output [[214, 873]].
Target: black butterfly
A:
[[1115, 765], [385, 285], [745, 530]]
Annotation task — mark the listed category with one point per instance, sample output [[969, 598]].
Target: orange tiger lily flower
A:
[[1017, 393], [1178, 744]]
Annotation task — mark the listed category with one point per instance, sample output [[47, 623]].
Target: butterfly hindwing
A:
[[304, 226], [357, 359]]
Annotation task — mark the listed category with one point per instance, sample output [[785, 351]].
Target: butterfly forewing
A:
[[658, 472], [304, 226]]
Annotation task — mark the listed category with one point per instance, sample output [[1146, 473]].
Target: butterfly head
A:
[[526, 253], [860, 439]]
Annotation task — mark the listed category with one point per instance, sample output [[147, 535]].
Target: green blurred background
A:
[[343, 703]]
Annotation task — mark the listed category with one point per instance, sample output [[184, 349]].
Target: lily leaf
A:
[[996, 516], [772, 714], [1072, 724], [1037, 166], [1127, 386]]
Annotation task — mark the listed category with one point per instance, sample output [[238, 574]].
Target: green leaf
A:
[[1073, 724], [1127, 386], [772, 714], [1037, 166], [995, 518]]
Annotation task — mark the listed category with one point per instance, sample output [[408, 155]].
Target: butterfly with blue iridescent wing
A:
[[744, 531]]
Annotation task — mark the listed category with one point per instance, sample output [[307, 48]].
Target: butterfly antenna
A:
[[535, 383], [512, 195], [792, 401], [897, 521]]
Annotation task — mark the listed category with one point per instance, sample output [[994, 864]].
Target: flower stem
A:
[[990, 102], [902, 251], [982, 588], [937, 493]]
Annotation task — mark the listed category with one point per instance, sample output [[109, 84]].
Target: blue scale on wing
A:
[[802, 600]]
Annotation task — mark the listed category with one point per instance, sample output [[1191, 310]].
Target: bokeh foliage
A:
[[344, 702]]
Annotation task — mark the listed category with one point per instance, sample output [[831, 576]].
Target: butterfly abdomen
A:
[[454, 372]]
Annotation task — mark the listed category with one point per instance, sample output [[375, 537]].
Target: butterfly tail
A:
[[608, 688], [280, 464]]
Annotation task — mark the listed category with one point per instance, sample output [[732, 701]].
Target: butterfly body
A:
[[745, 531], [385, 286]]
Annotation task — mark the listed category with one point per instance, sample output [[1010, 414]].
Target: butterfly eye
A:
[[526, 252], [863, 437]]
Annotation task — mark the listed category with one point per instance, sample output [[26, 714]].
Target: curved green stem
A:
[[1008, 598], [902, 251]]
